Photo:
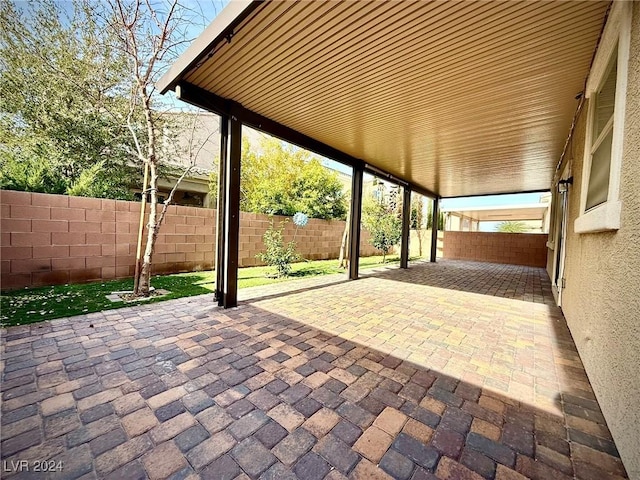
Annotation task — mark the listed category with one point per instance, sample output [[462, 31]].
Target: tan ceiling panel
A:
[[459, 97]]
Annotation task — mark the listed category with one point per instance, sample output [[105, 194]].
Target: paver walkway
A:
[[442, 371]]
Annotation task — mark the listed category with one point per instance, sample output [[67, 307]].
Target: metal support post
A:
[[232, 214], [434, 229], [406, 227], [356, 214], [222, 194]]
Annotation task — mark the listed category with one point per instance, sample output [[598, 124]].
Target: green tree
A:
[[384, 225], [511, 227], [279, 179], [79, 111], [62, 102]]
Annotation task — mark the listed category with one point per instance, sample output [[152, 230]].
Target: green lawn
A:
[[45, 303]]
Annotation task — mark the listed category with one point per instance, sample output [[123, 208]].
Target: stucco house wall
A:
[[601, 301]]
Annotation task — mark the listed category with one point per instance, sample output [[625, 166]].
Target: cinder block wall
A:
[[57, 239], [318, 240], [528, 249]]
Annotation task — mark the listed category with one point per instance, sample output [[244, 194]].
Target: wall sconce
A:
[[563, 185]]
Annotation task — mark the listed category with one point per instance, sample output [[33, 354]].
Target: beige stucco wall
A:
[[602, 298]]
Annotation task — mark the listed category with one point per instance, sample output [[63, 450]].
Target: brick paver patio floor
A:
[[455, 370]]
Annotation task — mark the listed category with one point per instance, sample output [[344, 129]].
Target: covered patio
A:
[[449, 370], [445, 99]]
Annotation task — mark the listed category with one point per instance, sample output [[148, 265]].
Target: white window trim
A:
[[617, 32]]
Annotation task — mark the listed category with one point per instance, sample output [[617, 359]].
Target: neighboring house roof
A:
[[343, 178], [198, 133], [192, 138]]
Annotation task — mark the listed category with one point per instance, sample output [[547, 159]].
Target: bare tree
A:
[[151, 35], [343, 259], [417, 219]]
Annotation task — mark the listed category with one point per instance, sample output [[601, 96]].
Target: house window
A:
[[600, 206], [601, 140]]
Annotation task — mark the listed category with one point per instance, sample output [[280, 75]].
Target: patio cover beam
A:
[[355, 218], [214, 103], [434, 229], [514, 192], [406, 227]]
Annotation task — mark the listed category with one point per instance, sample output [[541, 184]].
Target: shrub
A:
[[277, 253]]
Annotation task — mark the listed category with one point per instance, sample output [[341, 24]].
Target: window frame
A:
[[615, 40]]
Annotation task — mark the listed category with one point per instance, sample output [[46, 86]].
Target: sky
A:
[[491, 200], [209, 9]]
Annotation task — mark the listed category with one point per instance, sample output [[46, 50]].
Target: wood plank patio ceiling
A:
[[459, 97]]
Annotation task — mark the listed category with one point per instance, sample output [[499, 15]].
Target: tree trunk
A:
[[144, 282], [143, 212], [419, 234], [343, 259]]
